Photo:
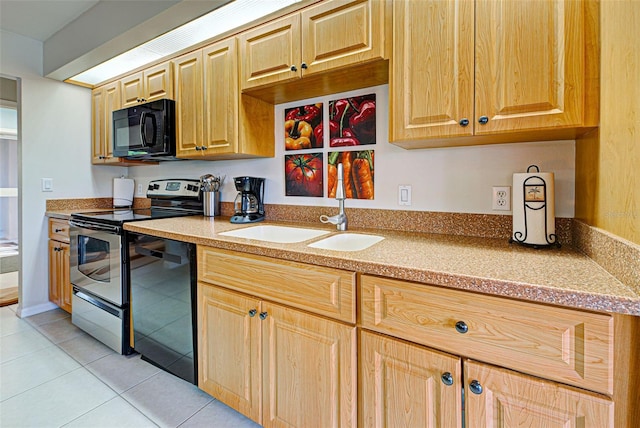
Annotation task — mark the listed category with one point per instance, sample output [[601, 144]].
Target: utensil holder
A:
[[211, 203]]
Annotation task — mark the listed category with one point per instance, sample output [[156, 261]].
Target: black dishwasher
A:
[[162, 282]]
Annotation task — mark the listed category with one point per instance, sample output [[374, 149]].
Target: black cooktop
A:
[[118, 216]]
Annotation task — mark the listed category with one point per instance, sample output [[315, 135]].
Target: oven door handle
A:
[[92, 226], [173, 258]]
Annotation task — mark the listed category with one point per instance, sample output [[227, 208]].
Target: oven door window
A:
[[94, 258]]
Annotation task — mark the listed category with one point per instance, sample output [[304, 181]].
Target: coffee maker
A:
[[249, 203]]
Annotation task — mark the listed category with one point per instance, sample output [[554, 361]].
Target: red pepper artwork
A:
[[303, 127], [352, 121]]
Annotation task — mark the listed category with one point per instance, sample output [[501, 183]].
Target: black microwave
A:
[[146, 131]]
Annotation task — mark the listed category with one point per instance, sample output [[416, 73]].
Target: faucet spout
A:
[[340, 219]]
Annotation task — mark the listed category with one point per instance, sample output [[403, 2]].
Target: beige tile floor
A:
[[54, 375]]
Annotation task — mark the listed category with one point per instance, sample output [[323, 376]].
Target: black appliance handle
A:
[[97, 303], [94, 226], [158, 254], [143, 130]]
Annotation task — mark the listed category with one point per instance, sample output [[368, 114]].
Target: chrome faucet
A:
[[340, 219]]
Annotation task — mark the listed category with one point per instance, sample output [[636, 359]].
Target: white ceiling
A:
[[40, 19], [79, 34]]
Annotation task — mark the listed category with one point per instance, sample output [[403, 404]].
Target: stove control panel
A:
[[174, 188]]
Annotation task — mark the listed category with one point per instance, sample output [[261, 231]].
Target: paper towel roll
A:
[[122, 192], [534, 221]]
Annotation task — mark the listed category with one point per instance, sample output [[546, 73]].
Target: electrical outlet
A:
[[140, 190], [501, 198], [404, 195]]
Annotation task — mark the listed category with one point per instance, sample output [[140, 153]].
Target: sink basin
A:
[[347, 242], [279, 234]]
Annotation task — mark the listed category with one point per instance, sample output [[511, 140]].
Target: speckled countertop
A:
[[563, 276]]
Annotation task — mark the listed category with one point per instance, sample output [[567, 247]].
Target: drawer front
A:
[[325, 291], [561, 344], [59, 230]]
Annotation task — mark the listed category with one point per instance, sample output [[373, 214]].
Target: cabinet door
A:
[[229, 352], [98, 124], [431, 82], [309, 370], [221, 97], [189, 102], [338, 34], [112, 102], [132, 90], [270, 53], [530, 67], [158, 82], [54, 272], [66, 290], [405, 385], [511, 399]]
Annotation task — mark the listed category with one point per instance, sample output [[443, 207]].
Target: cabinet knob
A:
[[294, 68], [198, 148], [447, 379], [263, 315], [58, 230], [464, 122], [462, 327], [483, 120], [203, 147], [303, 66], [475, 387], [252, 313]]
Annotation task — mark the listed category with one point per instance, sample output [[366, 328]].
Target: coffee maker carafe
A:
[[249, 203]]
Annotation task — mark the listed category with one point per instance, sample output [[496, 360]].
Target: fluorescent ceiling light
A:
[[221, 20]]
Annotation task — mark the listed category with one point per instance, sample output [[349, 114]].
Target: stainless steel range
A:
[[99, 266]]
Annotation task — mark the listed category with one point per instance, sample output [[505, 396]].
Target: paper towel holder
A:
[[535, 197]]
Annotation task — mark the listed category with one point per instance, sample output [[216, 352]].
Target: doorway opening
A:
[[9, 245]]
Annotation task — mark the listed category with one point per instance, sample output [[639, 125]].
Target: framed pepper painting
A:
[[358, 169], [304, 174], [352, 121], [303, 127]]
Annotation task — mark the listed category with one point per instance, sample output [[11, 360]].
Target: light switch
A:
[[47, 184], [404, 195]]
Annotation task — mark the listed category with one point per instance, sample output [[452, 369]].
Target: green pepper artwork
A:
[[352, 121], [303, 127]]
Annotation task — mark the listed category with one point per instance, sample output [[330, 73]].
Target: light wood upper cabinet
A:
[[152, 84], [406, 385], [331, 35], [529, 72], [221, 96], [189, 102], [104, 101], [213, 121], [431, 85], [496, 397]]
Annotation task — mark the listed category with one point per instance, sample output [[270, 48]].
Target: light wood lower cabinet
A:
[[496, 397], [278, 365], [60, 289], [406, 385]]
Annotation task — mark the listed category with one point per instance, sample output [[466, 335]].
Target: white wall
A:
[[446, 180], [55, 142]]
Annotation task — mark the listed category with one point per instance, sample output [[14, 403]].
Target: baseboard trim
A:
[[34, 310]]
